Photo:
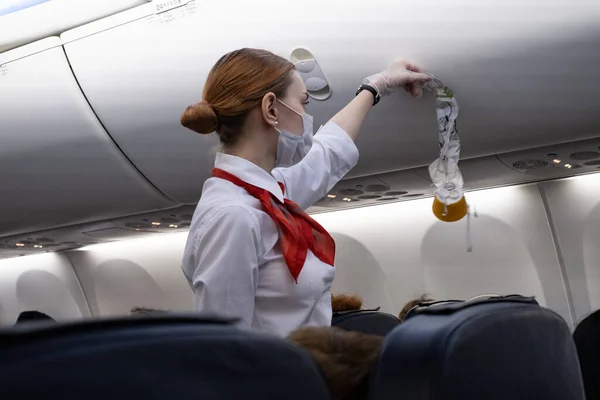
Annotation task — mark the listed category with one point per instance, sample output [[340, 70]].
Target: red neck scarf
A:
[[297, 230]]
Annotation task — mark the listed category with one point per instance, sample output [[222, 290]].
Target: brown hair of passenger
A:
[[345, 358], [137, 311], [345, 302], [412, 304]]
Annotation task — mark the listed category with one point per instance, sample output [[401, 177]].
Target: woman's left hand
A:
[[403, 74]]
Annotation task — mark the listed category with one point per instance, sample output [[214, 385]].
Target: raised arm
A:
[[352, 117], [333, 153]]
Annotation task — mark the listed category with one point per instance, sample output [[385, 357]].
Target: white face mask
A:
[[291, 149]]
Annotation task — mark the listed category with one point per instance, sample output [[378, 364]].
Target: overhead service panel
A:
[[483, 173], [58, 166]]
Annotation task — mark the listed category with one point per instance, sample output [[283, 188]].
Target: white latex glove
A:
[[403, 74]]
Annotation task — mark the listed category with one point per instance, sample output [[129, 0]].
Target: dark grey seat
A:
[[164, 357], [373, 322], [587, 340], [494, 349]]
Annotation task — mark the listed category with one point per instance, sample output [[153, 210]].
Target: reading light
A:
[[37, 246], [568, 165], [556, 161], [346, 199], [156, 223], [20, 245], [172, 226], [331, 196]]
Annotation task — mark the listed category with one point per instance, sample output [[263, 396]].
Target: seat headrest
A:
[[161, 357], [365, 321], [33, 316], [493, 350], [587, 341]]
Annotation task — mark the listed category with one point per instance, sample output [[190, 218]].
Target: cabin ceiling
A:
[[103, 141]]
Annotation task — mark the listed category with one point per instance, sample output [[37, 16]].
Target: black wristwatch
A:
[[370, 89]]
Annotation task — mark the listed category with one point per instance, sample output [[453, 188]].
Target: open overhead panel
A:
[[484, 172], [525, 166], [57, 164], [141, 68]]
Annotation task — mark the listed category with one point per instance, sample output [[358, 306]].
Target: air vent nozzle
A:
[[369, 196], [350, 192], [137, 225], [377, 188], [529, 164]]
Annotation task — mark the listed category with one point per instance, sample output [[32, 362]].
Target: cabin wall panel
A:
[[143, 272], [574, 206], [412, 253], [525, 240], [45, 283]]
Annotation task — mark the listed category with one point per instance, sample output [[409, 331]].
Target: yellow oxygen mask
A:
[[449, 204]]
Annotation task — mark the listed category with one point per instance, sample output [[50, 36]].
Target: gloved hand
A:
[[400, 74]]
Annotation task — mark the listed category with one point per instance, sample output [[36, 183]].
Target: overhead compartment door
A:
[[57, 164], [141, 68]]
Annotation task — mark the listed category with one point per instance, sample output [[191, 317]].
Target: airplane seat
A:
[[587, 341], [371, 321], [37, 317], [504, 347], [159, 357]]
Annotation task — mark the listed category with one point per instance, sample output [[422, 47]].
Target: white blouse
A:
[[233, 259]]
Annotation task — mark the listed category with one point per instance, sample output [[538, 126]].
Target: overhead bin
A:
[[58, 166], [140, 69], [25, 21]]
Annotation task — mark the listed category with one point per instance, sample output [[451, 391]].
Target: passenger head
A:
[[33, 316], [587, 341], [145, 311], [240, 99], [345, 302], [412, 304], [345, 358]]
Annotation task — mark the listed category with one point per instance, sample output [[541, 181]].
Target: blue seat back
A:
[[168, 357], [372, 322], [493, 349], [587, 341]]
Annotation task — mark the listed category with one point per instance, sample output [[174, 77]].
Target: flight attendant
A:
[[252, 252]]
